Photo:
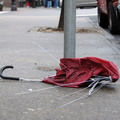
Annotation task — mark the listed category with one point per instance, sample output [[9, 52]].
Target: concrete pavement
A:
[[19, 41]]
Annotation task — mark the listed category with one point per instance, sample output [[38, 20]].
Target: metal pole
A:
[[13, 6], [69, 28], [33, 3]]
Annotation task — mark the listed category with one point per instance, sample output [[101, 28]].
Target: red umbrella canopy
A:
[[74, 72]]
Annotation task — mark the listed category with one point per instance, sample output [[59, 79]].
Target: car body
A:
[[84, 3], [109, 15]]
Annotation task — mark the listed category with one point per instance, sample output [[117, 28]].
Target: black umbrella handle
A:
[[7, 77]]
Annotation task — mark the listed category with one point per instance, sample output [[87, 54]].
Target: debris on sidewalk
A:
[[76, 72], [61, 30]]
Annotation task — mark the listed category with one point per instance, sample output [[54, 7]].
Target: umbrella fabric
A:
[[74, 72]]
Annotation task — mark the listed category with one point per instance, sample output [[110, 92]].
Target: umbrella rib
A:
[[27, 92], [90, 91], [84, 96], [48, 53], [60, 98]]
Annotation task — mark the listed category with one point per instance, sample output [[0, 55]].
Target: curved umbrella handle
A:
[[7, 77]]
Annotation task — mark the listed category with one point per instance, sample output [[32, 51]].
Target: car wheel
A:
[[113, 20], [81, 7], [102, 19]]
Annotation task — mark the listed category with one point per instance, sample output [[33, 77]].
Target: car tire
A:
[[102, 19], [113, 20]]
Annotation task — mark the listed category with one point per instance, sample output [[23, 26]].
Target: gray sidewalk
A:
[[30, 53]]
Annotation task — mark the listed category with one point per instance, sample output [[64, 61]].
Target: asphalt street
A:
[[35, 55]]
